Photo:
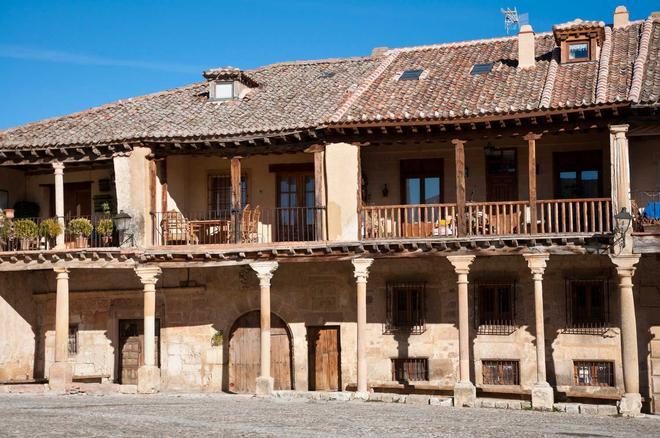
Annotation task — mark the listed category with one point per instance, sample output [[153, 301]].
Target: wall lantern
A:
[[622, 220], [122, 222]]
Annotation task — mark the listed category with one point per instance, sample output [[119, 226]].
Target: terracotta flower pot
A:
[[81, 242]]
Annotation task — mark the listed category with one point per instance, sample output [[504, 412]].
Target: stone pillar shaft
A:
[[149, 372], [58, 169], [62, 316], [540, 329], [361, 273], [149, 351], [264, 270]]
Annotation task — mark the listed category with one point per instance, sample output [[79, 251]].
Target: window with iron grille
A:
[[219, 193], [73, 339], [410, 369], [406, 307], [588, 306], [495, 308], [593, 373], [500, 372]]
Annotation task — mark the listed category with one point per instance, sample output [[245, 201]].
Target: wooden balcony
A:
[[590, 216]]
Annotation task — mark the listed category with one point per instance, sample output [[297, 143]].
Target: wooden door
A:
[[501, 175], [324, 362], [244, 356], [131, 341]]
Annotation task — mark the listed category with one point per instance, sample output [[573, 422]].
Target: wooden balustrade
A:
[[508, 218], [398, 221]]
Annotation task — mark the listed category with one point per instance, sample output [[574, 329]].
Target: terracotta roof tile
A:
[[651, 81]]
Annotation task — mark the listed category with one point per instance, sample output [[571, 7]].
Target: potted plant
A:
[[26, 231], [105, 226], [80, 229], [49, 230]]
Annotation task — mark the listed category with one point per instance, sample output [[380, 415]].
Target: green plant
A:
[[80, 227], [216, 339], [26, 229], [50, 228], [105, 227]]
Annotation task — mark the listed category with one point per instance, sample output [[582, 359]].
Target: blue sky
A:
[[62, 56]]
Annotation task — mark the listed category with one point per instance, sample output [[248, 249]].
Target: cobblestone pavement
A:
[[226, 415]]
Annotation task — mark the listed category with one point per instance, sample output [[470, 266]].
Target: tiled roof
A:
[[297, 95]]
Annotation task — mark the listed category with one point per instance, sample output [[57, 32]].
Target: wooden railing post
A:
[[531, 144], [459, 149], [236, 197]]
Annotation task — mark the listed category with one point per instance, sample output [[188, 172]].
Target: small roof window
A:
[[223, 90], [478, 69], [411, 75], [327, 74], [578, 51]]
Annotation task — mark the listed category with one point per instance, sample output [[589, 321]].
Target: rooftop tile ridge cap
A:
[[604, 68], [101, 107], [640, 62], [465, 42], [550, 79], [364, 86], [313, 62]]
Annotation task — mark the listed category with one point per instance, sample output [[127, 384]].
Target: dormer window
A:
[[578, 51], [223, 90], [228, 83], [579, 40]]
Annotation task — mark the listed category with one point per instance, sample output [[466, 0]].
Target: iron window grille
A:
[[410, 370], [500, 372], [73, 339], [593, 373], [588, 307], [495, 308], [406, 308]]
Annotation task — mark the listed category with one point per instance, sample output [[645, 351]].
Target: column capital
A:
[[458, 141], [619, 129], [148, 274], [361, 268], [537, 262], [532, 136], [264, 271], [625, 264], [461, 263], [61, 270], [58, 167]]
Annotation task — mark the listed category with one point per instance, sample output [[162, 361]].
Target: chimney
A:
[[379, 51], [621, 17], [526, 47]]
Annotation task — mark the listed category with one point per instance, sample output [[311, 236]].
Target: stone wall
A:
[[193, 304]]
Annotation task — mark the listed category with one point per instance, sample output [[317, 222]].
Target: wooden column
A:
[[361, 273], [58, 169], [264, 270], [319, 189], [531, 143], [460, 185], [236, 207]]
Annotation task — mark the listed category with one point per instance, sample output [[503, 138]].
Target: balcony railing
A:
[[32, 234], [509, 218], [250, 225]]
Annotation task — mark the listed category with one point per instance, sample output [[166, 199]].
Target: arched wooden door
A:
[[244, 360]]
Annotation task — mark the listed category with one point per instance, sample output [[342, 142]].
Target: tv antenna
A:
[[513, 20]]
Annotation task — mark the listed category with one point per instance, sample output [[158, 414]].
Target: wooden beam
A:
[[459, 148], [531, 144], [319, 191]]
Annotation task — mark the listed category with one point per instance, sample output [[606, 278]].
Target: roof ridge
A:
[[550, 79], [465, 42], [604, 68], [102, 107], [364, 86], [640, 61], [313, 62]]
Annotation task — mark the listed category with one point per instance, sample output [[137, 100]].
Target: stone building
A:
[[477, 217]]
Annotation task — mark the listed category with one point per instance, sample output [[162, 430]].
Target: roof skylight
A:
[[411, 75], [478, 69]]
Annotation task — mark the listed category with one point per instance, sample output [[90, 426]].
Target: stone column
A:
[[361, 272], [58, 169], [264, 270], [149, 373], [620, 177], [60, 373], [631, 402], [542, 393], [465, 393]]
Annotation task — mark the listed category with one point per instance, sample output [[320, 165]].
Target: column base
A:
[[265, 386], [148, 379], [631, 405], [543, 397], [465, 394], [60, 376]]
